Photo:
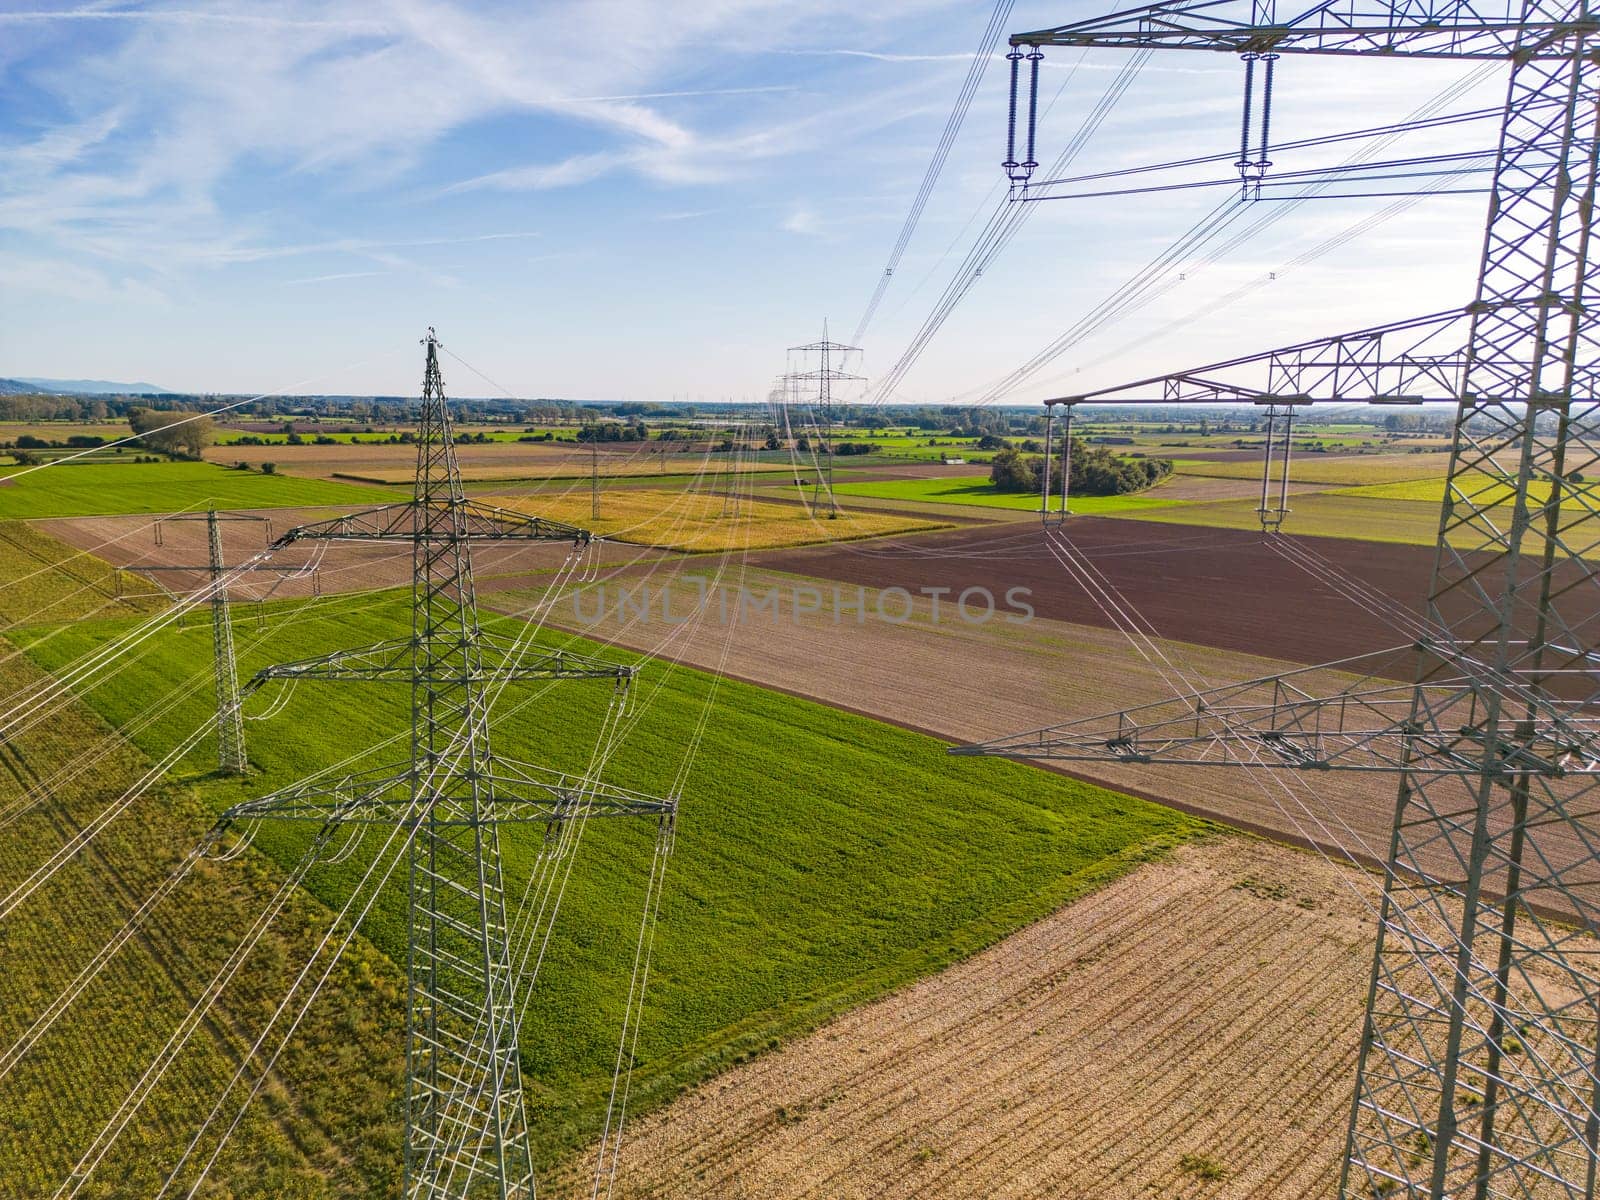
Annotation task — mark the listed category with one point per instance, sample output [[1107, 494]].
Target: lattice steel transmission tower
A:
[[466, 1127], [1478, 1072], [825, 376], [231, 756], [230, 722]]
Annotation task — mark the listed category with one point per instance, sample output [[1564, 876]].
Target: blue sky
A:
[[634, 200]]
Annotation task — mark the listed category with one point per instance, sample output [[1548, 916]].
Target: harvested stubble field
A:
[[670, 522], [129, 542], [700, 522], [1200, 1012], [396, 463]]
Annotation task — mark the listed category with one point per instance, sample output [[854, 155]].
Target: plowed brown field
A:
[[1203, 1006], [1277, 596], [1226, 588]]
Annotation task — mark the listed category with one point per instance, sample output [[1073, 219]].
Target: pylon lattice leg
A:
[[1478, 1058]]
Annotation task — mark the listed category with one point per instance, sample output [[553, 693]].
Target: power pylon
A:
[[231, 756], [825, 376], [230, 722], [466, 1127], [1478, 1073]]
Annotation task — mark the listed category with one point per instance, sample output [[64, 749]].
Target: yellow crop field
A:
[[1347, 469]]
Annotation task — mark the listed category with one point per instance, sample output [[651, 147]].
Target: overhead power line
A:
[[1002, 226], [1146, 284], [947, 139]]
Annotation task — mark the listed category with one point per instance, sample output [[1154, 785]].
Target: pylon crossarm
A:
[[1367, 725], [1456, 29], [497, 658], [1403, 362], [474, 521], [585, 796], [508, 792], [490, 523]]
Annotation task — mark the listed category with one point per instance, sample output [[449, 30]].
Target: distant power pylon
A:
[[1479, 1071], [466, 1130], [825, 376], [231, 756]]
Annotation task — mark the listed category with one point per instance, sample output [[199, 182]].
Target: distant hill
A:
[[83, 387]]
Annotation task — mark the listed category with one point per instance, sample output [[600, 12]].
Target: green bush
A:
[[1203, 1166]]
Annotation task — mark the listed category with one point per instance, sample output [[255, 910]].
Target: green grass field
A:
[[75, 490], [821, 858], [977, 490]]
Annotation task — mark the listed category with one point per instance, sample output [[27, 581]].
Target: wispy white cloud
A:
[[177, 16], [677, 95], [802, 220], [876, 55], [693, 214], [539, 177], [332, 277]]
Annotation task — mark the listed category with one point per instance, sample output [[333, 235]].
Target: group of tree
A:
[[612, 431], [78, 441], [1095, 472], [29, 407], [172, 431]]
